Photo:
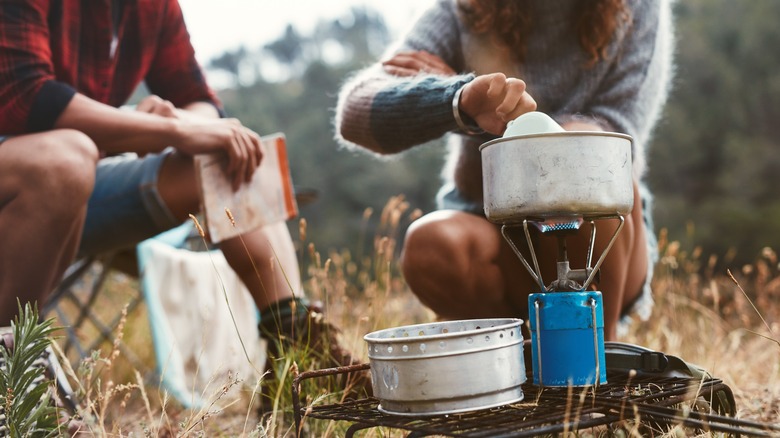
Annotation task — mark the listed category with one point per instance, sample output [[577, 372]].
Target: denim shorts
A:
[[125, 207]]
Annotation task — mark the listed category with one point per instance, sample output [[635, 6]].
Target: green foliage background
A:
[[714, 159]]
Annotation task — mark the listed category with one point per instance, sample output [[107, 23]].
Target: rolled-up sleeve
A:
[[389, 114], [175, 73], [31, 99]]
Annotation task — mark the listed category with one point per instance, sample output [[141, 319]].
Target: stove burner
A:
[[651, 403]]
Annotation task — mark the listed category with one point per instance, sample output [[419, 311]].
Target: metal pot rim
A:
[[564, 134], [509, 323]]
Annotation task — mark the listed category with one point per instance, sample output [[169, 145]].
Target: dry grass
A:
[[728, 324], [702, 316]]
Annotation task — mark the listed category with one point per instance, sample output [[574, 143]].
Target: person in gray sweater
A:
[[467, 67]]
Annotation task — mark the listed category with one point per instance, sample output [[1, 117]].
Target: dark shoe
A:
[[308, 335], [324, 337], [314, 343]]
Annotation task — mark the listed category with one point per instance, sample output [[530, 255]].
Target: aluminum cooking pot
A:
[[557, 175], [447, 367]]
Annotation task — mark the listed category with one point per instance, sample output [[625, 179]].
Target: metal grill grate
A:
[[656, 404]]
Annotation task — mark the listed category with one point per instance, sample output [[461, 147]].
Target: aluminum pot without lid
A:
[[447, 367], [557, 175]]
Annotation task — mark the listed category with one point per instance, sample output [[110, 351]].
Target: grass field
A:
[[726, 322]]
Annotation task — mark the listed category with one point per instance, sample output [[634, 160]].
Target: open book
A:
[[266, 199]]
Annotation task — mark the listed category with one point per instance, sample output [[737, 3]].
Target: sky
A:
[[219, 25]]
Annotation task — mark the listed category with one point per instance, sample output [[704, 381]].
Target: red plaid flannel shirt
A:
[[51, 49]]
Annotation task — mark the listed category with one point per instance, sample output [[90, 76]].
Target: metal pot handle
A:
[[536, 273], [604, 253], [596, 344]]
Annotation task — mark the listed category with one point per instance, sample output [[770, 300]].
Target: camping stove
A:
[[566, 319], [557, 181]]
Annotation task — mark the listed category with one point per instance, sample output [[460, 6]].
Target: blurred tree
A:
[[230, 62], [301, 103], [288, 48], [365, 34], [716, 158]]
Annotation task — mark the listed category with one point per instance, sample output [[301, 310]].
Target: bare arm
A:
[[156, 105], [115, 131]]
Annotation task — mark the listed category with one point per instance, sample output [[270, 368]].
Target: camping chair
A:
[[74, 303], [88, 323], [79, 302], [194, 334]]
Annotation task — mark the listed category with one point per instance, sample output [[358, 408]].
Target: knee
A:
[[178, 185], [64, 166], [433, 243], [77, 160]]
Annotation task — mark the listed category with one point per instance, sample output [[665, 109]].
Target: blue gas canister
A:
[[567, 338]]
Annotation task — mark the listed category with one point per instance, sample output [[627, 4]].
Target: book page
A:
[[266, 199]]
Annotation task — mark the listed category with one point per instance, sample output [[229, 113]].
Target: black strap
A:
[[648, 361]]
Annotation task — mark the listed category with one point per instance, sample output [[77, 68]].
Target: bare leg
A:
[[267, 264], [45, 182], [265, 261], [625, 268], [451, 262], [178, 186]]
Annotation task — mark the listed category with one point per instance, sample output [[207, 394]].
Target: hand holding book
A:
[[266, 199]]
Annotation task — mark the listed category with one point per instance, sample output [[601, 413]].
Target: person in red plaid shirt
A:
[[80, 176]]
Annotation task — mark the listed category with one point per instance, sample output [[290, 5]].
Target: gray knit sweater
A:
[[624, 92]]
